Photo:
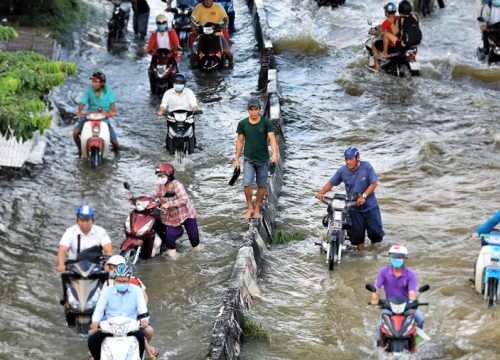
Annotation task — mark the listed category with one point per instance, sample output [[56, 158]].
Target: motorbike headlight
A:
[[91, 302], [398, 308], [127, 224], [141, 205], [96, 129], [72, 301], [143, 229], [119, 329], [183, 11], [208, 30]]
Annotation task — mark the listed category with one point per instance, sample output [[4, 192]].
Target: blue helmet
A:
[[351, 153], [85, 212], [390, 7], [122, 270]]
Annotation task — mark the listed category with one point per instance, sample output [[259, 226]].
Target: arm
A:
[[108, 249], [146, 298], [164, 104], [226, 22], [488, 225], [142, 309], [192, 100], [375, 297], [180, 193], [80, 109], [112, 110], [272, 140], [61, 257], [370, 189], [239, 148], [99, 308], [169, 3], [328, 186]]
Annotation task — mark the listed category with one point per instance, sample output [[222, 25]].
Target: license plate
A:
[[414, 65]]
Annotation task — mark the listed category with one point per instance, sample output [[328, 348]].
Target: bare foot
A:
[[256, 214], [248, 214], [79, 152], [197, 247]]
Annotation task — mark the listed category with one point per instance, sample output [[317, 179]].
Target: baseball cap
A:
[[253, 102]]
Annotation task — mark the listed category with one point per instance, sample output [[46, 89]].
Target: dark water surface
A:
[[433, 142]]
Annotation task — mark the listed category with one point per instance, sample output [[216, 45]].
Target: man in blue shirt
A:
[[359, 177], [97, 96], [122, 299]]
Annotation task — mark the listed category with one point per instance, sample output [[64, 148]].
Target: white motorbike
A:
[[95, 138], [487, 268], [120, 345]]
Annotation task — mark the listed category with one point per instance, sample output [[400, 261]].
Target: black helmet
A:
[[180, 78], [390, 7], [100, 74], [405, 7]]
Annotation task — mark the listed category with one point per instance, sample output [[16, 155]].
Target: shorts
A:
[[224, 44], [112, 134], [369, 221], [255, 170], [379, 44]]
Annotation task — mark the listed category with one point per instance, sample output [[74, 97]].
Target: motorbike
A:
[[120, 345], [163, 68], [95, 138], [332, 3], [182, 24], [493, 54], [399, 330], [401, 64], [210, 55], [338, 224], [487, 268], [142, 242], [117, 25], [180, 132], [82, 283]]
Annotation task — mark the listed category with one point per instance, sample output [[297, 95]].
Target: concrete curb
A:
[[228, 329]]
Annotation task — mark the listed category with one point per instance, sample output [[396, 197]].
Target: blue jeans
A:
[[112, 134], [141, 23], [255, 170], [419, 318]]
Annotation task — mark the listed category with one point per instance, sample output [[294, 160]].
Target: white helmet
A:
[[116, 260], [161, 19], [398, 251]]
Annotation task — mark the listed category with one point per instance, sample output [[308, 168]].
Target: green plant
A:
[[281, 237], [254, 331]]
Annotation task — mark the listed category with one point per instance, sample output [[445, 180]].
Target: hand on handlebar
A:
[[475, 236], [320, 196]]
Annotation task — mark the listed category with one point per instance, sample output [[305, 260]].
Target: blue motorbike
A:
[[487, 267]]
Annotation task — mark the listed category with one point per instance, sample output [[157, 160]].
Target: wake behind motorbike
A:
[[401, 64], [82, 283], [117, 25], [120, 345], [182, 23], [180, 132], [210, 55], [487, 268], [399, 331], [338, 224], [95, 138], [142, 241], [163, 68]]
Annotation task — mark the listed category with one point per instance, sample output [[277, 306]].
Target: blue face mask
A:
[[178, 87], [112, 275], [397, 263], [162, 27], [496, 3], [122, 287]]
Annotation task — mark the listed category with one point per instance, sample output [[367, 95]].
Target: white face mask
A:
[[162, 180]]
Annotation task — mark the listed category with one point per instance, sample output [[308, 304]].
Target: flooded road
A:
[[432, 140]]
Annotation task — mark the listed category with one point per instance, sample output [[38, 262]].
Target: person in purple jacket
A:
[[359, 177], [397, 280]]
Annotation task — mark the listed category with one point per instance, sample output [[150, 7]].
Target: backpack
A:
[[411, 34]]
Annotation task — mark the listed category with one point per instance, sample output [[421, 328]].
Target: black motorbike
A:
[[117, 25], [332, 3], [180, 132], [210, 55], [399, 63], [493, 54], [163, 68], [182, 24], [82, 284]]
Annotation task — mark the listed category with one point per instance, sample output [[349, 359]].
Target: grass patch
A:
[[255, 331], [281, 237]]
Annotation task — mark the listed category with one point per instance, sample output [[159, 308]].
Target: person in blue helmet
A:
[[377, 46], [489, 16], [359, 178]]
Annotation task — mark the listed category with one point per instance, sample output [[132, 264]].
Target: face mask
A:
[[162, 27], [178, 87], [496, 3], [122, 287], [162, 180], [112, 275], [397, 263]]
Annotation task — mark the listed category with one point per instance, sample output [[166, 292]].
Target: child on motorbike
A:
[[390, 13]]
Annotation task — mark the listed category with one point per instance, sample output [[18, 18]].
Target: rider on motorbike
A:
[[97, 96], [490, 16], [397, 280], [163, 38], [405, 10], [487, 226], [208, 11], [390, 13]]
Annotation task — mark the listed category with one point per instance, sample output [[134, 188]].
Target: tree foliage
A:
[[26, 81]]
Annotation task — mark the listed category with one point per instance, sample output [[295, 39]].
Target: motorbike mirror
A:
[[423, 288], [169, 194], [369, 22], [481, 19], [370, 287], [198, 112], [126, 185]]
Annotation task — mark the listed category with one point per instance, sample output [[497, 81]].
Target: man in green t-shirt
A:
[[254, 131]]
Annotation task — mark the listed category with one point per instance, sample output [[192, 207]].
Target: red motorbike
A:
[[142, 241], [399, 332], [95, 137]]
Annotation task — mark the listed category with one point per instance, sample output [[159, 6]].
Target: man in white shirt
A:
[[179, 97], [82, 236]]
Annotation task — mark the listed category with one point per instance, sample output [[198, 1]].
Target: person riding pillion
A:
[[97, 97], [359, 178]]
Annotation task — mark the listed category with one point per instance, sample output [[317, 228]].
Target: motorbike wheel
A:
[[170, 145], [404, 71], [331, 258], [130, 256], [94, 157], [492, 290], [397, 346], [82, 328], [191, 145]]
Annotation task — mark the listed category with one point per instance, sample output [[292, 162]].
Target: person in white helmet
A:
[[397, 280]]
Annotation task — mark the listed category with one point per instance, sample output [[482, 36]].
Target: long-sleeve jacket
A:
[[489, 224], [172, 37]]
